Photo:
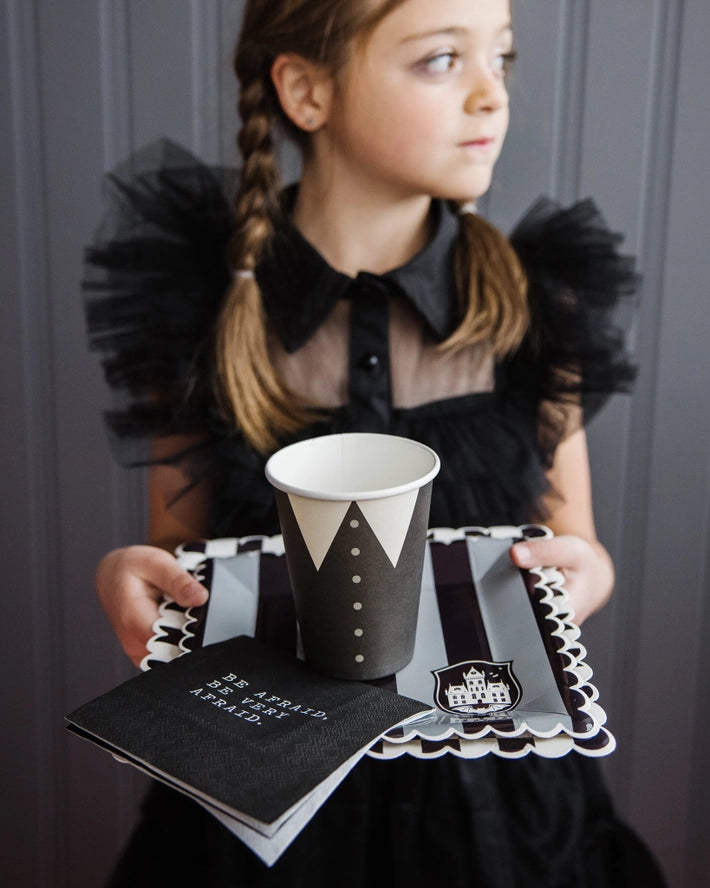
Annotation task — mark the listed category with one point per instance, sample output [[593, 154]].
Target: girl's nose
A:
[[487, 92]]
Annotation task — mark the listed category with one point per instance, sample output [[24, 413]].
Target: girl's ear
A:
[[304, 90]]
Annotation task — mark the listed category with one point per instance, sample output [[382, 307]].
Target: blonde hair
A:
[[491, 287], [489, 280]]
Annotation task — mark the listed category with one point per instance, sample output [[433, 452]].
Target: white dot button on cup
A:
[[357, 605], [356, 579], [359, 658], [354, 523], [355, 552], [358, 632]]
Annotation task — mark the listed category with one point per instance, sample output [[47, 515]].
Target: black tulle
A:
[[155, 277], [156, 274], [577, 280]]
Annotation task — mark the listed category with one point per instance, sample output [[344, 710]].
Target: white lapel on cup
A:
[[389, 519], [318, 521]]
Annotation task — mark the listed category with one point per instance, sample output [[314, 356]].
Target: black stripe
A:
[[553, 645], [430, 747], [461, 621], [515, 744], [276, 613], [249, 544]]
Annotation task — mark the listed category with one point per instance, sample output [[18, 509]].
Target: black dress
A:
[[155, 278]]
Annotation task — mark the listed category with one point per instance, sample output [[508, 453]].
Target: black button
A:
[[369, 362]]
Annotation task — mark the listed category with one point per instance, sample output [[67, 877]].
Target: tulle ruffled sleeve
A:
[[579, 282], [154, 279]]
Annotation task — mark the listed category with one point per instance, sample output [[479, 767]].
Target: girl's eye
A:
[[503, 62], [440, 63]]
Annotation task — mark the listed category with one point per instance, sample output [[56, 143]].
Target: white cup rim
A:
[[274, 468]]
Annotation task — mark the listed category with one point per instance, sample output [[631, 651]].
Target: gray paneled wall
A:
[[609, 99]]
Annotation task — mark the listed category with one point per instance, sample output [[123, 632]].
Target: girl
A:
[[368, 297]]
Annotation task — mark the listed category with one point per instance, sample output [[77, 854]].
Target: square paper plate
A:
[[497, 653]]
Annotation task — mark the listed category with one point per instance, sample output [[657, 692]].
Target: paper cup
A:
[[354, 511]]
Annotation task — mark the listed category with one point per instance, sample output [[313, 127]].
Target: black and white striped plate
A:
[[475, 609]]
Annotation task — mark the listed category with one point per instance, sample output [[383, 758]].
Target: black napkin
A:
[[247, 730]]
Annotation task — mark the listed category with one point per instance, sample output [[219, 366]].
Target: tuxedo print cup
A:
[[354, 512]]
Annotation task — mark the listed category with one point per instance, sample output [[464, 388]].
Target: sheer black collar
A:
[[299, 288]]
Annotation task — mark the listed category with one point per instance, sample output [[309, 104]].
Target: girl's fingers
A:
[[130, 584], [160, 570], [563, 552]]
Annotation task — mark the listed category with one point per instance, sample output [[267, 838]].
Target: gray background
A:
[[610, 99]]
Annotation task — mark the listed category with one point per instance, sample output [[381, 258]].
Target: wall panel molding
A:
[[652, 234], [569, 106], [205, 62], [38, 649], [115, 60]]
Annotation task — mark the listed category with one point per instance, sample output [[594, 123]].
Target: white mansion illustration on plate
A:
[[477, 686], [479, 690]]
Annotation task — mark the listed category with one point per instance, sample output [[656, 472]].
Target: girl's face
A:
[[422, 106]]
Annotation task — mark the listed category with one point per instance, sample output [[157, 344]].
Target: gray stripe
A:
[[234, 598], [511, 627], [416, 680]]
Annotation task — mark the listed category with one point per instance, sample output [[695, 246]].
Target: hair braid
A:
[[249, 391], [492, 288]]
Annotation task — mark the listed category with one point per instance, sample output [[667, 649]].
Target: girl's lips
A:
[[484, 142]]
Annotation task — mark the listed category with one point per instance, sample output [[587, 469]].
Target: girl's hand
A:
[[131, 582], [585, 565]]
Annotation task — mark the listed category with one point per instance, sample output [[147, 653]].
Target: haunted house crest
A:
[[477, 687]]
